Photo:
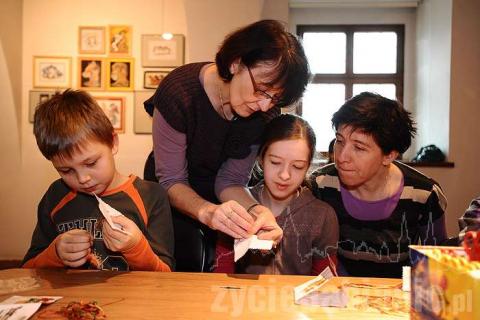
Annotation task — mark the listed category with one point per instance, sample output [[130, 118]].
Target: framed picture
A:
[[35, 98], [114, 108], [151, 79], [120, 40], [120, 74], [158, 52], [91, 73], [91, 40], [52, 72], [142, 120]]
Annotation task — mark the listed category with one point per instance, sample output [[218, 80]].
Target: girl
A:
[[310, 227]]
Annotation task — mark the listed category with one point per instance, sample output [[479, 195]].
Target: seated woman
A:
[[310, 227], [382, 205], [470, 221]]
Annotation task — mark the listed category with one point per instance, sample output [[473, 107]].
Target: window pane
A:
[[385, 89], [319, 103], [374, 52], [326, 51]]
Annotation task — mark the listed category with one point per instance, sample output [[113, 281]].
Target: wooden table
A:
[[151, 295]]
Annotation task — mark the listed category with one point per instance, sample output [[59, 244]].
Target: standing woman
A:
[[382, 205], [207, 121]]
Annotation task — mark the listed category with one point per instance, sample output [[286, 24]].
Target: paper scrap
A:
[[309, 293], [31, 299], [406, 271], [18, 284], [18, 311], [109, 212], [241, 246]]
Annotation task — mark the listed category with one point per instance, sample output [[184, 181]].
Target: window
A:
[[346, 60]]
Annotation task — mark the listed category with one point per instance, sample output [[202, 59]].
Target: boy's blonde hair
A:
[[66, 121]]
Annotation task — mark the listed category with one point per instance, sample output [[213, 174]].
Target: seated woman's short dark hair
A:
[[267, 41], [390, 125]]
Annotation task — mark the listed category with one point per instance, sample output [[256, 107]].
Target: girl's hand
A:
[[73, 247], [230, 218], [266, 225], [118, 241]]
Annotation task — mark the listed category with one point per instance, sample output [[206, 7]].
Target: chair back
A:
[[194, 242]]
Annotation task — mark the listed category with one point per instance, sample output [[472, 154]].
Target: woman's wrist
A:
[[205, 213]]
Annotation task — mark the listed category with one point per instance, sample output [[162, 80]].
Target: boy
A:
[[76, 136]]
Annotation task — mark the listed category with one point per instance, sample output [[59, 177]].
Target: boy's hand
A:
[[73, 247], [119, 241]]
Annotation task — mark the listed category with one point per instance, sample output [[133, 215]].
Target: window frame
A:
[[349, 78]]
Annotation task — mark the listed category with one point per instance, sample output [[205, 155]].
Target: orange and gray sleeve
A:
[[48, 258], [142, 258]]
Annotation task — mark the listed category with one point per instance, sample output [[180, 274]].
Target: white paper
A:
[[31, 299], [406, 271], [21, 311], [241, 246], [109, 212], [309, 293]]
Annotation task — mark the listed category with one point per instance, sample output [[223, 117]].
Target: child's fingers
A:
[[77, 263], [111, 234], [76, 247], [76, 236], [274, 234]]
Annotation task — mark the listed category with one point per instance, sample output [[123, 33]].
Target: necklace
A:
[[220, 95], [233, 116]]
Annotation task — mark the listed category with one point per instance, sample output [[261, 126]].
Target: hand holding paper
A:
[[241, 246], [108, 212], [124, 240]]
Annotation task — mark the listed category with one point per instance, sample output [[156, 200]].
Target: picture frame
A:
[[35, 97], [158, 52], [142, 122], [114, 108], [120, 75], [52, 72], [91, 40], [91, 73], [152, 78], [119, 40]]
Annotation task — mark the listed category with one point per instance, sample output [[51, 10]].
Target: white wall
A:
[[50, 27], [433, 46]]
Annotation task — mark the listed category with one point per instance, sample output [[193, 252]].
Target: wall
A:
[[462, 183], [434, 31], [11, 191], [50, 27]]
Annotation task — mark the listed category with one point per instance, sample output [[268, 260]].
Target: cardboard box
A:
[[444, 284]]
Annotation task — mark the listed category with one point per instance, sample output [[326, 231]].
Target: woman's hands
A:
[[118, 241], [233, 219], [73, 247], [266, 225]]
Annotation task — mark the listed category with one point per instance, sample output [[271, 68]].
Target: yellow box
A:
[[444, 284]]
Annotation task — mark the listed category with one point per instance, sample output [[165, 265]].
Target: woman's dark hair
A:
[[390, 125], [267, 41], [288, 127]]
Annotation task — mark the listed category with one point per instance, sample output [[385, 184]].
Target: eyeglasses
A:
[[257, 92]]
